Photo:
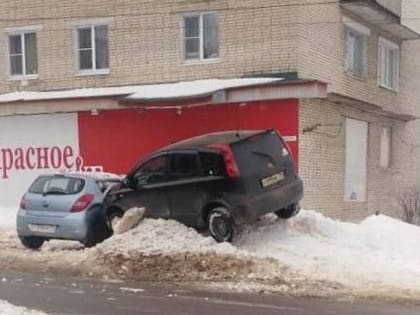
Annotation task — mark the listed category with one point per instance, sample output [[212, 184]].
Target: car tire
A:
[[220, 225], [32, 242], [90, 240], [113, 219], [288, 212]]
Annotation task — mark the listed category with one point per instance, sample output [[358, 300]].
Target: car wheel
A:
[[288, 212], [90, 240], [220, 225], [32, 242], [114, 218]]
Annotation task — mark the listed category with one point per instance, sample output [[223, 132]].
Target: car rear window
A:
[[57, 185]]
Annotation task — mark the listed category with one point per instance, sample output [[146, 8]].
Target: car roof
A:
[[92, 175], [225, 137]]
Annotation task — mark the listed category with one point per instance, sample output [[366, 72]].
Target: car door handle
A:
[[45, 204]]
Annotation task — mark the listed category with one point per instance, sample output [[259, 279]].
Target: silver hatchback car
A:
[[64, 206]]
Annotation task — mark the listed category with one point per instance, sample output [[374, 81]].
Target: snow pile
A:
[[8, 309], [131, 218], [380, 251], [162, 237]]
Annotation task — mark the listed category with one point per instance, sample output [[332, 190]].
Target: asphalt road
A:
[[70, 296]]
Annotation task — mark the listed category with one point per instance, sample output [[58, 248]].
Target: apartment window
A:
[[356, 53], [385, 150], [388, 64], [23, 56], [201, 37], [92, 49]]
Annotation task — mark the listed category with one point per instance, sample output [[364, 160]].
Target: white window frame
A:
[[383, 46], [81, 25], [201, 59], [355, 27], [21, 31], [385, 162]]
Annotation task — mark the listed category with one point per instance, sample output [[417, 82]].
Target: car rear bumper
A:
[[72, 226], [270, 201]]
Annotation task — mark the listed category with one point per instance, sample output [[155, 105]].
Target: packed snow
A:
[[309, 254], [162, 237], [9, 309]]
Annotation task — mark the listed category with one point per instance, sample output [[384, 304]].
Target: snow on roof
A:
[[65, 94], [194, 88], [142, 92]]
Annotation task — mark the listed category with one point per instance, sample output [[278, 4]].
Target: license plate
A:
[[50, 229], [273, 179]]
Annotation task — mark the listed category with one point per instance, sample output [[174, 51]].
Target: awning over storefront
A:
[[180, 90], [177, 94]]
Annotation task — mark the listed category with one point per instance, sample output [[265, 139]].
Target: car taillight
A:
[[23, 203], [82, 203], [232, 169]]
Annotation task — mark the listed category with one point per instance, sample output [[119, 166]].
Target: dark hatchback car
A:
[[213, 181]]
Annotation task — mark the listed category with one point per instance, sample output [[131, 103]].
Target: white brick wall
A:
[[322, 161]]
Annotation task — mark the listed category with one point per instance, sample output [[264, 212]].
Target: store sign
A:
[[35, 145], [37, 158]]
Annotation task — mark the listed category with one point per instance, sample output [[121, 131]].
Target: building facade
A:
[[355, 141]]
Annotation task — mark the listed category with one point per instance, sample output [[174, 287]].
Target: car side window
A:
[[212, 164], [152, 172], [183, 166]]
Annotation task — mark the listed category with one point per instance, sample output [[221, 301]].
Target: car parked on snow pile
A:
[[213, 181], [64, 206]]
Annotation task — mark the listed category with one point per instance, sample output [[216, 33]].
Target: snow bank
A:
[[162, 237], [9, 309], [380, 251], [314, 254]]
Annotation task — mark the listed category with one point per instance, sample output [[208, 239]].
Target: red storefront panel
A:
[[117, 139]]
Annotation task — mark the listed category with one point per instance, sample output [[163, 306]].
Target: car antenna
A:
[[237, 122]]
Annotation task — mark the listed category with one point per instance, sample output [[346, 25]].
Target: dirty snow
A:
[[162, 237], [310, 254], [9, 309], [131, 218]]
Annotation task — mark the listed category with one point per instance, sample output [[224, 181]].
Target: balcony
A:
[[383, 14]]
